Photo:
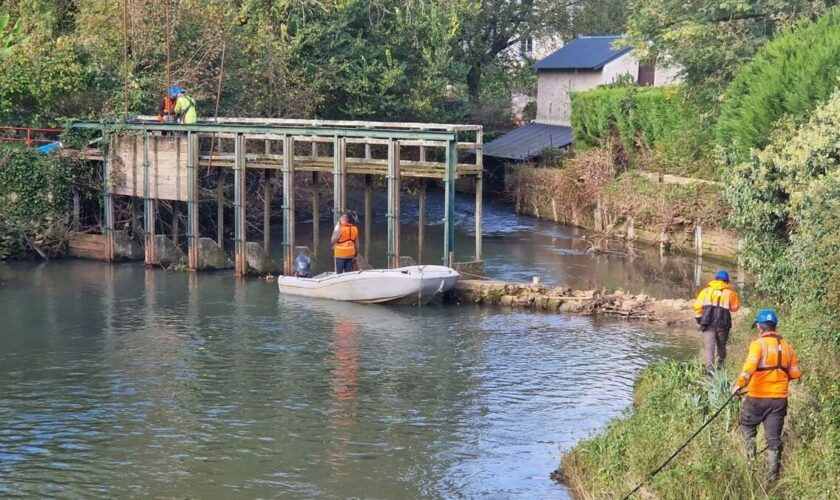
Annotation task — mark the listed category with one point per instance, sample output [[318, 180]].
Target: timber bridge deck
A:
[[155, 161]]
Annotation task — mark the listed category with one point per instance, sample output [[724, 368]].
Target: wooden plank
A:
[[87, 254], [98, 246]]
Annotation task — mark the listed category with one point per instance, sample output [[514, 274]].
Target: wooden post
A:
[[288, 204], [449, 201], [479, 207], [421, 209], [368, 212], [266, 209], [192, 201], [239, 190], [698, 240], [220, 208], [339, 177], [108, 206], [393, 204], [316, 214]]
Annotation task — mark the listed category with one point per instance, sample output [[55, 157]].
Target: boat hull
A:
[[412, 285]]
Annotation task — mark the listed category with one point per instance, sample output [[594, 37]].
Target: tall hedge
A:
[[638, 114], [788, 77]]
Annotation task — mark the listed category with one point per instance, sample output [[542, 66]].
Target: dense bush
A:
[[35, 198], [788, 77], [646, 120], [779, 201]]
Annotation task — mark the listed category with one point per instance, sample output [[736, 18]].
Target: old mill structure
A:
[[156, 161]]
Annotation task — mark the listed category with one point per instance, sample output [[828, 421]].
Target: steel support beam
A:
[[192, 201], [239, 190], [339, 178], [449, 202], [288, 204], [393, 215]]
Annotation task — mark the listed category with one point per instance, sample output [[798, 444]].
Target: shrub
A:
[[788, 77], [648, 119]]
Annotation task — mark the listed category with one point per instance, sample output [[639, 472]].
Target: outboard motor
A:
[[303, 266]]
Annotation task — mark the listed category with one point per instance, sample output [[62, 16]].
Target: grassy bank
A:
[[673, 399]]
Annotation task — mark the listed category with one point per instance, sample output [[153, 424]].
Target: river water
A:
[[121, 381]]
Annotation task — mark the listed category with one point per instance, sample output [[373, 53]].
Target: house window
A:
[[526, 45]]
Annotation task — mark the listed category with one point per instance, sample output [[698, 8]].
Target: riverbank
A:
[[617, 303], [672, 399], [682, 214]]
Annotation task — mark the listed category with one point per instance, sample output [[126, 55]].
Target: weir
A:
[[156, 161]]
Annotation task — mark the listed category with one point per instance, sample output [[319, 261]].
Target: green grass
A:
[[673, 399]]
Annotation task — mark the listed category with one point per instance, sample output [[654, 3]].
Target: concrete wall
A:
[[553, 87], [666, 76]]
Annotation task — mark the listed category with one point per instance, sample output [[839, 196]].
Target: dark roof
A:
[[529, 141], [585, 52]]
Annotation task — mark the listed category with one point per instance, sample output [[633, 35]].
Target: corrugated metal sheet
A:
[[586, 52], [529, 141]]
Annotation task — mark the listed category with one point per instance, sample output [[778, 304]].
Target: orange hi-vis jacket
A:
[[770, 365], [345, 247], [715, 303]]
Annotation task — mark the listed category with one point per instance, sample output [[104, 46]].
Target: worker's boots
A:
[[774, 464], [750, 446]]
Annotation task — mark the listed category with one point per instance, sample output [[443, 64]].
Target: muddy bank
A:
[[617, 303]]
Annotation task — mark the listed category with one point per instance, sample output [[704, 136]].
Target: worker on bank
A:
[[713, 311], [184, 106], [345, 242], [770, 365]]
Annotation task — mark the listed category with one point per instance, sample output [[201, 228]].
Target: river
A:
[[121, 381]]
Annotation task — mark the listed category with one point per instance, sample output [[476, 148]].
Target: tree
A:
[[710, 41], [488, 28], [7, 34]]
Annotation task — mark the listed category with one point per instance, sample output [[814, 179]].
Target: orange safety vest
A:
[[770, 365], [167, 109], [345, 247]]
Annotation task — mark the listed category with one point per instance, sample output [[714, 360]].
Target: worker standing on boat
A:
[[184, 106], [712, 310], [345, 242], [770, 365]]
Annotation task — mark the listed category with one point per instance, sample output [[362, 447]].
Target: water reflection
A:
[[125, 381]]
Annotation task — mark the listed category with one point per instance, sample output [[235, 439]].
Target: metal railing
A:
[[29, 135]]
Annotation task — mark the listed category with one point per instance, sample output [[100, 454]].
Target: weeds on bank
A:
[[673, 399]]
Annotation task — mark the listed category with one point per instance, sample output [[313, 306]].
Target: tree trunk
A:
[[474, 83]]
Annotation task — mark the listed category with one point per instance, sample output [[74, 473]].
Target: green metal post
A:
[[108, 203], [449, 201], [339, 178], [239, 236], [288, 204], [192, 200]]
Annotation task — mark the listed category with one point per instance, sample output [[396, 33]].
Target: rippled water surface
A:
[[127, 382]]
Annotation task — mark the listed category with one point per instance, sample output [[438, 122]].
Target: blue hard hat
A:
[[767, 316], [722, 275], [173, 91]]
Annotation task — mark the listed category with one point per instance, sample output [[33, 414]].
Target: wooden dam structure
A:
[[147, 160]]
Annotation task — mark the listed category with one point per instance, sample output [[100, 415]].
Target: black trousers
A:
[[771, 412], [343, 265]]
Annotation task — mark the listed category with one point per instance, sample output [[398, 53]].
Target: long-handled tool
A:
[[666, 462]]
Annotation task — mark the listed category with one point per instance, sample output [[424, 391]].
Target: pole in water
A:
[[666, 462]]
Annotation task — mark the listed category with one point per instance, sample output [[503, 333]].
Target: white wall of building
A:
[[553, 87]]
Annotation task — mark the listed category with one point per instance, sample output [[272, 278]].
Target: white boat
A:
[[414, 285]]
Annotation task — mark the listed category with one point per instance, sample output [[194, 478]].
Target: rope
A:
[[666, 462]]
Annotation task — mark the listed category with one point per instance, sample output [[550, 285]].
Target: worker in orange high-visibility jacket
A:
[[345, 242], [713, 311], [770, 365]]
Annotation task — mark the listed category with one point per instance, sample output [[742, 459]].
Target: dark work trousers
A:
[[343, 265], [770, 411], [714, 338]]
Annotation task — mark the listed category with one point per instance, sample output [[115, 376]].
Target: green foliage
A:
[[7, 34], [673, 399], [779, 201], [645, 119], [35, 195], [709, 41], [788, 77]]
